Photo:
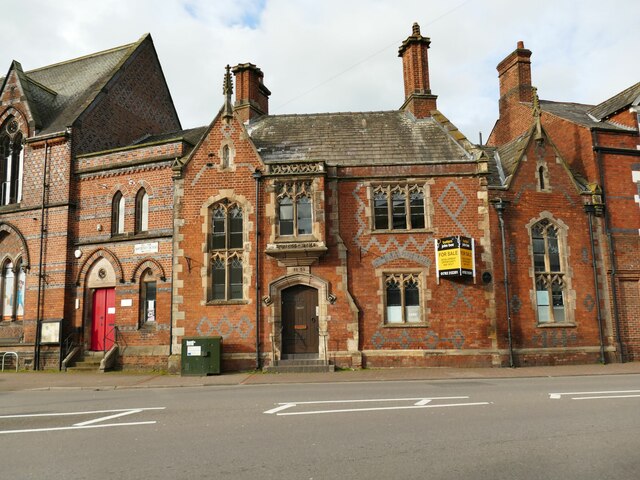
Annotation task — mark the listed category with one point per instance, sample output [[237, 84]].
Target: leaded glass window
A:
[[549, 274], [399, 207]]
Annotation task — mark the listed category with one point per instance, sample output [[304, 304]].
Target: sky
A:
[[342, 55]]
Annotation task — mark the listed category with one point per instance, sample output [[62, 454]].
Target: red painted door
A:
[[104, 316]]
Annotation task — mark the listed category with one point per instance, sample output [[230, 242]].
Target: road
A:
[[538, 428]]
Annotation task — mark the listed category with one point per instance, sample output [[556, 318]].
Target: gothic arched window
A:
[[226, 249], [142, 211], [117, 214], [11, 163], [549, 272]]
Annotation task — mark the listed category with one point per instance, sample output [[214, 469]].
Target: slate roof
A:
[[582, 114], [191, 135], [362, 138], [577, 113], [629, 96], [57, 94], [504, 160]]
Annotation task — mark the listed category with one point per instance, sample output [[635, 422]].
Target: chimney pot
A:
[[520, 44], [252, 97], [415, 67]]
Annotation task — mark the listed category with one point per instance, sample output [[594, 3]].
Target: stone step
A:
[[90, 362], [293, 362], [90, 354], [300, 369]]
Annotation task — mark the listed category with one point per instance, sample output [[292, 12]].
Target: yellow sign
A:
[[455, 257]]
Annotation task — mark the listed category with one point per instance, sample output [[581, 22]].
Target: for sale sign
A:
[[455, 257]]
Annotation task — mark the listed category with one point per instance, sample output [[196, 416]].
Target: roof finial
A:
[[537, 112], [416, 29], [227, 90], [227, 86]]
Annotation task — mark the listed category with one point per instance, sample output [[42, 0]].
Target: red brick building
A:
[[314, 240], [597, 149], [86, 210], [313, 236]]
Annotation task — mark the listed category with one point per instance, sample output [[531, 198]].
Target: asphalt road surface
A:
[[540, 428]]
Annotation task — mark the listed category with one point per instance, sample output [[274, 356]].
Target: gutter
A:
[[590, 209], [610, 243], [36, 352], [500, 205], [257, 175]]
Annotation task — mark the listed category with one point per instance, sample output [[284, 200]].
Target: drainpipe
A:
[[612, 256], [591, 210], [500, 206], [36, 353], [257, 175]]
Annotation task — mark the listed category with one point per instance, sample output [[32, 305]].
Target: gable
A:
[[21, 94], [521, 162]]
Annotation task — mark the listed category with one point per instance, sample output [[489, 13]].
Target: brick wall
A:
[[134, 104]]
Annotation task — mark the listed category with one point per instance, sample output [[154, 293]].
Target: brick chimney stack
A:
[[252, 97], [514, 73], [415, 68]]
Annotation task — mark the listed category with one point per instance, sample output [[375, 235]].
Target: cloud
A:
[[332, 55]]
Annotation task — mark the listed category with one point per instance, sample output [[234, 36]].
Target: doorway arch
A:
[[275, 300]]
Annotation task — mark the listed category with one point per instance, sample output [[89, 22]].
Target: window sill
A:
[[227, 302], [405, 325], [557, 325], [394, 231], [295, 238]]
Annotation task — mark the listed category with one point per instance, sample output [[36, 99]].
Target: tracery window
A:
[[399, 207], [402, 298], [142, 211], [295, 209], [12, 288], [549, 272], [226, 248], [11, 163]]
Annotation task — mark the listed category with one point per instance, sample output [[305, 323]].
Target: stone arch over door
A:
[[90, 262], [100, 276], [274, 300]]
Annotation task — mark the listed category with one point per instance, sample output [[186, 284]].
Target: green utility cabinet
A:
[[201, 356]]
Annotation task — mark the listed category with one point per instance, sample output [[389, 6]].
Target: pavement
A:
[[48, 380]]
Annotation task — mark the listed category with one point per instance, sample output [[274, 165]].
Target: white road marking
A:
[[82, 425], [56, 429], [109, 417], [420, 402], [281, 407], [373, 409], [604, 394], [91, 412]]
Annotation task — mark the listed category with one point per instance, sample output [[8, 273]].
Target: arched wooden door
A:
[[300, 320]]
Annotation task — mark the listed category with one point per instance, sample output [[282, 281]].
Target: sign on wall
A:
[[140, 248], [455, 257], [50, 332]]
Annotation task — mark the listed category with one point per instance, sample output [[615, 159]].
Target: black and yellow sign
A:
[[455, 257]]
